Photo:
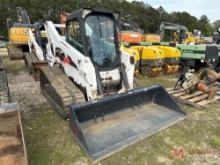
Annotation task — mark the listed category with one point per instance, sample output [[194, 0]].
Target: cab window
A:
[[74, 36]]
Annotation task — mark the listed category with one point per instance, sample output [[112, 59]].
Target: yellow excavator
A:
[[18, 34], [190, 38], [181, 34]]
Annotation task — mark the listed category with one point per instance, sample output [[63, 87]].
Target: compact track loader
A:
[[90, 82]]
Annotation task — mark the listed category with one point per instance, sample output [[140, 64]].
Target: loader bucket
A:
[[106, 126]]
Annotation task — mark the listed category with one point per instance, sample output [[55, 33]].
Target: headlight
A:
[[26, 32]]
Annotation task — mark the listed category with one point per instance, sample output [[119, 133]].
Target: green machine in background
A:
[[194, 56], [197, 56]]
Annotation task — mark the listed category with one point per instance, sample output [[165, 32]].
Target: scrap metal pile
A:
[[206, 80]]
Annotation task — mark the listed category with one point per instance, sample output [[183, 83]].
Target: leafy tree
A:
[[205, 26], [216, 25], [147, 17]]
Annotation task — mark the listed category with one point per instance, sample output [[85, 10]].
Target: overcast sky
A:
[[211, 8]]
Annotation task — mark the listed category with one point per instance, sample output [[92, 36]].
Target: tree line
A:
[[147, 17]]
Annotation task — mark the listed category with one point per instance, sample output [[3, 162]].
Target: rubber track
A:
[[15, 53], [59, 90], [4, 92]]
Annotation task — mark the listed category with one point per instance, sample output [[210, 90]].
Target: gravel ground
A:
[[25, 91]]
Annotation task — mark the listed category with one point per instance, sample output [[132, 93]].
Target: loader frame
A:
[[59, 49]]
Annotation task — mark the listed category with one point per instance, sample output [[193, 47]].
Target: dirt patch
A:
[[11, 144]]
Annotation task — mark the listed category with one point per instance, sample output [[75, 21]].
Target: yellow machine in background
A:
[[189, 38], [171, 59], [150, 38], [151, 60], [18, 40], [181, 34], [18, 34], [154, 60]]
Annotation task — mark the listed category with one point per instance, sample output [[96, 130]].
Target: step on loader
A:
[[90, 82]]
